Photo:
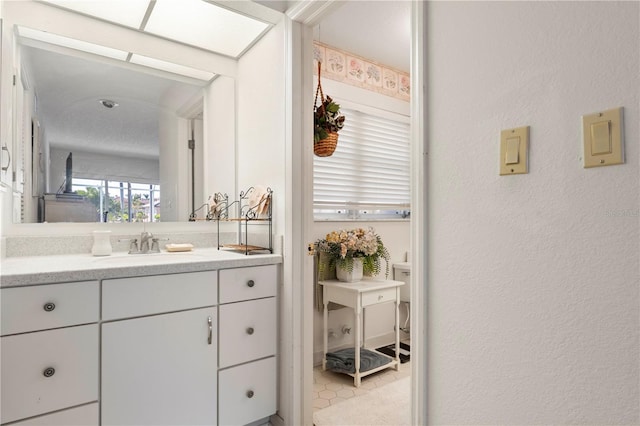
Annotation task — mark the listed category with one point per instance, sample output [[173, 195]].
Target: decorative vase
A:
[[350, 276]]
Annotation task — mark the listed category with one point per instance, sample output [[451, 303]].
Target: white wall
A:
[[533, 304], [261, 120], [220, 132]]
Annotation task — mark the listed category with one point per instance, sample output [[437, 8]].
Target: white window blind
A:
[[369, 168]]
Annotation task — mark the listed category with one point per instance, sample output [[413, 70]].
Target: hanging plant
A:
[[327, 121]]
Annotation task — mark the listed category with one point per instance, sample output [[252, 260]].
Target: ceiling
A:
[[379, 30], [68, 93], [376, 30]]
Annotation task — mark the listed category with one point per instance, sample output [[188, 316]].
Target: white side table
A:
[[359, 295]]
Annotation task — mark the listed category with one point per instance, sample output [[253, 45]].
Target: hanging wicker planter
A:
[[326, 146], [327, 121]]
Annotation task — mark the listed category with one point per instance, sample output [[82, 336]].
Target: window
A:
[[121, 201], [367, 177]]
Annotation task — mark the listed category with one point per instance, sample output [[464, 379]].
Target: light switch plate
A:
[[602, 137], [514, 151]]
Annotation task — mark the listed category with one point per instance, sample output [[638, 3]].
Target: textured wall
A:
[[533, 279]]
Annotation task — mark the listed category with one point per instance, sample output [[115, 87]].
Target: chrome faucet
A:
[[144, 242], [148, 244]]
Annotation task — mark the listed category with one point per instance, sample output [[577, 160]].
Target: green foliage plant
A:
[[340, 248], [326, 119]]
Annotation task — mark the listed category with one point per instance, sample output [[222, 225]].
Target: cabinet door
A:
[[160, 370]]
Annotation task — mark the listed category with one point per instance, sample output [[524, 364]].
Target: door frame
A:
[[297, 373]]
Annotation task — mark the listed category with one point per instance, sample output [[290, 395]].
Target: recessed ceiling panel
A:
[[171, 67], [124, 12], [205, 25], [72, 43]]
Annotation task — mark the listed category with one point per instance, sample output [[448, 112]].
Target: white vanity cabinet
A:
[[187, 348], [49, 353], [248, 339], [159, 350]]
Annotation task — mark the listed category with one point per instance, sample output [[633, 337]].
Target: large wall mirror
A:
[[104, 138], [97, 134]]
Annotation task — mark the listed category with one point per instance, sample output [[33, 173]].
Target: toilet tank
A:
[[402, 272]]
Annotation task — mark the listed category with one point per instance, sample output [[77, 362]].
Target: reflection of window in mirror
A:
[[118, 202]]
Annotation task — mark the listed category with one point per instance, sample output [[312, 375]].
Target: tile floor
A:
[[331, 388]]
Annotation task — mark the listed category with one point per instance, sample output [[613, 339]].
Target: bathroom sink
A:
[[149, 259]]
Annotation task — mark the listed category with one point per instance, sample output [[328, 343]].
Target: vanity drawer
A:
[[247, 331], [85, 415], [247, 392], [248, 283], [138, 296], [48, 306], [48, 370], [380, 296]]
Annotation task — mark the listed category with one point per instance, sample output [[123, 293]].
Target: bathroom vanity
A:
[[146, 339]]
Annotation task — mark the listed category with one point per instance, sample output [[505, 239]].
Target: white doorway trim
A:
[[297, 371], [419, 216]]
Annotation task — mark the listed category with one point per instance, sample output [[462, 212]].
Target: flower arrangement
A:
[[341, 247]]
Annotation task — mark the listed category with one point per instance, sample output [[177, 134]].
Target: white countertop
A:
[[18, 271]]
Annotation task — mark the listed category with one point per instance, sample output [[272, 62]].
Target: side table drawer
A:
[[47, 306], [247, 392], [248, 283], [380, 296], [247, 331], [48, 370]]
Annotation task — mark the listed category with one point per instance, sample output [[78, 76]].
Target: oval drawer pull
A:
[[50, 306], [49, 371], [250, 330], [251, 283], [250, 394]]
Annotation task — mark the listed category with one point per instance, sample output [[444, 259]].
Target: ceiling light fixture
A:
[[108, 103]]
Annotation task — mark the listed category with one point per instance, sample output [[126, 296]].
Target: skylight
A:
[[197, 23], [129, 13], [204, 25]]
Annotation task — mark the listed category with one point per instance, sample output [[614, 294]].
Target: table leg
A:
[[356, 379], [397, 328], [325, 335]]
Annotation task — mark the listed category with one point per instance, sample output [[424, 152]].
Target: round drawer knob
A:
[[48, 372], [250, 394], [251, 283], [250, 330], [48, 307]]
